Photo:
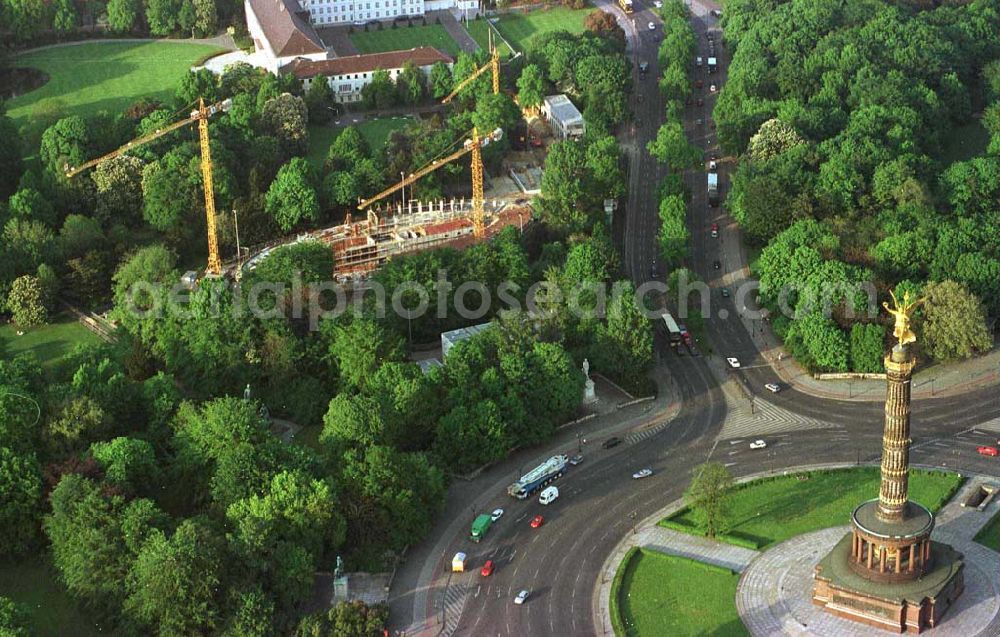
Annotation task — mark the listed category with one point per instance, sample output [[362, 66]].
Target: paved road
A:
[[561, 562]]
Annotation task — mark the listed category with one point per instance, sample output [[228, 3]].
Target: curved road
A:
[[560, 563]]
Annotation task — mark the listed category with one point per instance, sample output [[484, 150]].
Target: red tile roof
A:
[[421, 56], [286, 27]]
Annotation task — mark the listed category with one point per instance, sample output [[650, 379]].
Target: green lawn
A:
[[479, 30], [375, 132], [49, 343], [389, 39], [53, 613], [87, 78], [520, 29], [765, 512], [989, 535], [667, 595]]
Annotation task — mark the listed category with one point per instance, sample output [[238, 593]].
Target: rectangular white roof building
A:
[[566, 119]]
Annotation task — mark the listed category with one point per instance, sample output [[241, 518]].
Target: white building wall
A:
[[347, 88]]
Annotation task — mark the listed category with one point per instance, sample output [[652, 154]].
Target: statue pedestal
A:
[[589, 395], [340, 588]]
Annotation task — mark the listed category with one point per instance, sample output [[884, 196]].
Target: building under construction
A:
[[363, 245]]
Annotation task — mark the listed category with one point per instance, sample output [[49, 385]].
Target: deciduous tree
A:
[[291, 198], [530, 87], [707, 495], [20, 502], [954, 324]]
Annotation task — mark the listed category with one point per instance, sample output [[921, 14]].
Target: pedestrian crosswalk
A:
[[990, 425], [764, 418], [454, 602]]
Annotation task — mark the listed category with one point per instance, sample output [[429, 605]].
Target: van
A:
[[548, 495], [697, 61]]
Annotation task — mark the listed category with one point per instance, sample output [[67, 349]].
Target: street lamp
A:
[[579, 445], [402, 177]]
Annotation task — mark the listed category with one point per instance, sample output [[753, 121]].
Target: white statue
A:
[[586, 368]]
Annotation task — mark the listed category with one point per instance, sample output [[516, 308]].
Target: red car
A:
[[537, 521], [715, 227], [487, 569], [988, 451]]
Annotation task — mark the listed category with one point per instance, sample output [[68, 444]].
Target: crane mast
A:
[[493, 64], [201, 115]]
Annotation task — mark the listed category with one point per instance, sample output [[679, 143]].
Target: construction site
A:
[[385, 229]]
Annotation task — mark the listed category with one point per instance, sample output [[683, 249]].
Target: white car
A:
[[644, 473], [496, 515], [521, 597], [772, 387], [652, 26], [713, 88], [658, 4], [697, 61], [733, 362], [758, 444], [713, 165]]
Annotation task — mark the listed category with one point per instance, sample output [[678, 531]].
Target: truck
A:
[[480, 526], [712, 65], [713, 189], [672, 328], [626, 5], [538, 477]]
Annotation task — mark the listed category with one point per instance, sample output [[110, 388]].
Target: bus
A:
[[672, 329], [626, 5]]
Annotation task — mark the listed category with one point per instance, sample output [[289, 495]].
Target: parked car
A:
[[487, 569], [733, 362], [725, 293], [644, 473], [496, 515], [575, 460], [697, 61], [698, 84], [652, 26], [717, 264], [758, 444], [613, 441], [521, 597], [716, 13], [657, 4], [988, 451], [537, 521], [643, 67], [772, 387]]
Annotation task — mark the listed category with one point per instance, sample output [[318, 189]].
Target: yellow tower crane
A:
[[201, 115], [471, 145], [493, 64]]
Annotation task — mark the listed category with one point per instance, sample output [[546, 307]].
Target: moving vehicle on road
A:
[[642, 473], [459, 562], [521, 597], [652, 26], [712, 62], [643, 67], [712, 88], [497, 514], [480, 526], [733, 362], [698, 61], [988, 451], [673, 330], [537, 521], [613, 441], [575, 460], [774, 388], [487, 569], [758, 444], [725, 293], [716, 13], [717, 264], [538, 477], [658, 4], [549, 495], [713, 189], [626, 5]]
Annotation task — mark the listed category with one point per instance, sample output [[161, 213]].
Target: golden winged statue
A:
[[902, 312]]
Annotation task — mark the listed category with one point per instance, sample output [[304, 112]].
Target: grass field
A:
[[50, 342], [389, 39], [667, 595], [479, 30], [766, 512], [989, 535], [375, 132], [99, 76], [520, 29], [53, 613]]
